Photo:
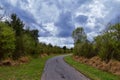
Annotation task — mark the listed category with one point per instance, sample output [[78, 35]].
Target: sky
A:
[[56, 19]]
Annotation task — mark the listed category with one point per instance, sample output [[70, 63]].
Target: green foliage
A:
[[82, 46], [106, 45], [115, 36], [64, 48], [7, 40], [49, 49], [29, 71], [16, 42], [29, 44], [84, 49], [77, 49], [79, 35], [17, 25], [106, 48], [91, 72], [34, 34], [87, 50], [25, 41]]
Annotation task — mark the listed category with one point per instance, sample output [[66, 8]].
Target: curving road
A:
[[57, 69]]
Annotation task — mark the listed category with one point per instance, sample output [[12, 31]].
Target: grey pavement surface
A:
[[57, 69]]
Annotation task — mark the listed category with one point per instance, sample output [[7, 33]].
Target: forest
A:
[[16, 42]]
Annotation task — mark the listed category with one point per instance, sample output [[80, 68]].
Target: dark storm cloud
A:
[[24, 15], [65, 25]]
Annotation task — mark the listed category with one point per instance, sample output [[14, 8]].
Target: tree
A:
[[7, 41], [29, 44], [108, 43], [114, 32], [35, 35], [79, 35], [17, 25], [82, 46], [64, 48]]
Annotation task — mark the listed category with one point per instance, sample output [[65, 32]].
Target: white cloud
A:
[[68, 42], [51, 28], [91, 35], [13, 2], [99, 13], [41, 11], [46, 12], [93, 11]]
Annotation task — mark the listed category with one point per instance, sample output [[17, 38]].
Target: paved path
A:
[[57, 69]]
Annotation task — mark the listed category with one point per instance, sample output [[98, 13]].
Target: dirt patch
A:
[[113, 66], [24, 59], [10, 62], [7, 62], [43, 55]]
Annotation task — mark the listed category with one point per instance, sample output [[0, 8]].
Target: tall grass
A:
[[91, 72], [30, 71]]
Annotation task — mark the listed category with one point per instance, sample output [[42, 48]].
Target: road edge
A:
[[76, 68]]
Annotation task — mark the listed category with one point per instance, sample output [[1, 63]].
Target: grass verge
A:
[[91, 72], [29, 71]]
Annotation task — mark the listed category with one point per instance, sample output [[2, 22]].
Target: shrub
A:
[[7, 41]]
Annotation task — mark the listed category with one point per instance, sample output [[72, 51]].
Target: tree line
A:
[[106, 45], [15, 41]]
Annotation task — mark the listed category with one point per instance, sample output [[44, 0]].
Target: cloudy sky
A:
[[56, 19]]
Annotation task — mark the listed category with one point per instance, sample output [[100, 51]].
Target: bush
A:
[[7, 41], [84, 49], [29, 44], [108, 43]]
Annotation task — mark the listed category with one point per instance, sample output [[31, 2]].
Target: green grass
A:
[[91, 72], [30, 71]]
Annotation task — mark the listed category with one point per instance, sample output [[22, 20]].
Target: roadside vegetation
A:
[[22, 56], [29, 71], [103, 52], [106, 45], [17, 41], [91, 72]]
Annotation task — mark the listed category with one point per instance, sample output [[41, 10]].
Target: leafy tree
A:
[[82, 46], [87, 50], [79, 35], [17, 25], [108, 44], [77, 49], [114, 32], [34, 34], [7, 41], [29, 44]]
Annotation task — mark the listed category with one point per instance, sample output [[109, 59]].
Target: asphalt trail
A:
[[57, 69]]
